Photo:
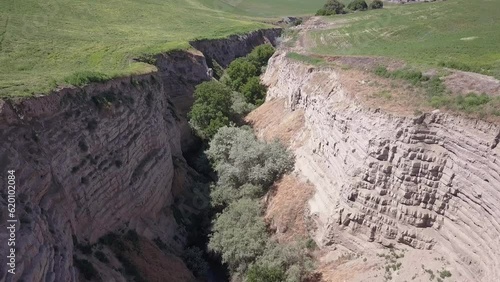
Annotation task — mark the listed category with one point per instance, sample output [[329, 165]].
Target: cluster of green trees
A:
[[247, 168], [242, 75], [239, 91], [334, 7]]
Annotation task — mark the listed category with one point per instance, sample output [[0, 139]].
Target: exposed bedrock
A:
[[94, 159], [223, 52], [430, 181]]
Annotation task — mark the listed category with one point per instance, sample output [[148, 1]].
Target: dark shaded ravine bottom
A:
[[200, 227]]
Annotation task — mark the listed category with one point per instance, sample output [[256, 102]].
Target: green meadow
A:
[[266, 8], [460, 34], [44, 42]]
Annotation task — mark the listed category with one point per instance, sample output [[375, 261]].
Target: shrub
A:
[[265, 274], [81, 78], [459, 66], [435, 87], [332, 7], [253, 91], [223, 195], [357, 5], [292, 258], [239, 234], [382, 71], [407, 74], [444, 274], [311, 244], [239, 158], [240, 106], [238, 73], [260, 55], [472, 102], [211, 108], [217, 68], [377, 4], [323, 12], [410, 75], [193, 257]]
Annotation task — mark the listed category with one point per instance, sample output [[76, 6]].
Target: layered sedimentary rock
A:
[[94, 159], [223, 52], [430, 181]]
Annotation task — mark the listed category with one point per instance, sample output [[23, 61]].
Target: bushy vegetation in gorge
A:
[[217, 104], [211, 109], [246, 166], [246, 169], [242, 75]]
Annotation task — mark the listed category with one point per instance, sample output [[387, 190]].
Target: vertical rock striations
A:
[[430, 182]]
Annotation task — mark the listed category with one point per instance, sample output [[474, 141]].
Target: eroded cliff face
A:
[[224, 52], [91, 160], [430, 181]]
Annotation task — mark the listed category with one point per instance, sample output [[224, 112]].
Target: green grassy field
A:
[[266, 8], [460, 34], [42, 42]]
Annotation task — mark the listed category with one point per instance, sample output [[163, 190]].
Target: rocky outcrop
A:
[[223, 52], [430, 181], [91, 160]]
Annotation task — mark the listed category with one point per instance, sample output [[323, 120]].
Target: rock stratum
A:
[[429, 181], [93, 160]]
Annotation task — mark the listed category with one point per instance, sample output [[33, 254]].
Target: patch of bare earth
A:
[[155, 265], [273, 120], [365, 63], [378, 264], [287, 208], [461, 82], [389, 95]]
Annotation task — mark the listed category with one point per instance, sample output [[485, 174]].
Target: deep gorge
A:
[[105, 157], [119, 156]]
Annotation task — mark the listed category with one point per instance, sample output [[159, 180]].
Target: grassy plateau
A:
[[266, 8], [460, 34], [55, 42]]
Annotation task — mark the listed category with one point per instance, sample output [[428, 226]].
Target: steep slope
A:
[[430, 181], [100, 158]]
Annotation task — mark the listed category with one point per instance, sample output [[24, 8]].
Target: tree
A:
[[292, 258], [259, 273], [238, 73], [223, 195], [332, 7], [253, 91], [357, 5], [377, 4], [239, 158], [239, 234], [211, 109], [260, 55]]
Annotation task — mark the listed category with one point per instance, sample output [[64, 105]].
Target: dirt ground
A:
[[287, 207]]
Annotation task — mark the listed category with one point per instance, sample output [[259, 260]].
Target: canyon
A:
[[105, 157], [110, 156]]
